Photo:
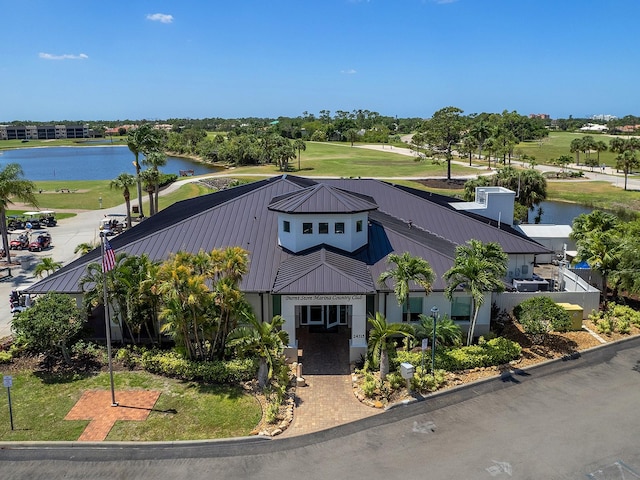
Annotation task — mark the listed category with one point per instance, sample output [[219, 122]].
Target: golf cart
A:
[[48, 218], [15, 222], [40, 240], [19, 240], [113, 224], [32, 220]]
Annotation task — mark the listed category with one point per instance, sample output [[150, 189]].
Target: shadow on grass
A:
[[227, 391]]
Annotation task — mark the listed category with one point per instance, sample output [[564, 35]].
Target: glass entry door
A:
[[328, 315]]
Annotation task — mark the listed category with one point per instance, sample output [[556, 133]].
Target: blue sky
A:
[[149, 59]]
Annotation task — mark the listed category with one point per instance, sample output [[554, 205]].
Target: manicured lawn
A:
[[184, 411], [601, 195]]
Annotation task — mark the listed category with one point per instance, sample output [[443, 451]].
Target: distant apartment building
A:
[[542, 116], [603, 118], [43, 132]]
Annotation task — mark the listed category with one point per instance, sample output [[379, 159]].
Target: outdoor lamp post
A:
[[434, 316], [100, 201]]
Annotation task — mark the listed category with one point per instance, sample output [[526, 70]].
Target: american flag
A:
[[109, 258]]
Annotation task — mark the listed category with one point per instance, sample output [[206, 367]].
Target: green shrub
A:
[[395, 380], [172, 364], [427, 382], [540, 314], [5, 357], [496, 351], [369, 385], [605, 326], [623, 313]]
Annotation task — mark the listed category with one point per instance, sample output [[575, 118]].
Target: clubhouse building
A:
[[317, 247]]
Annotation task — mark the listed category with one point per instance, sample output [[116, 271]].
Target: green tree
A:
[[142, 140], [601, 250], [154, 160], [266, 340], [407, 269], [478, 268], [448, 333], [47, 265], [351, 135], [468, 146], [300, 145], [84, 248], [13, 186], [563, 161], [627, 162], [50, 326], [123, 182], [442, 131], [380, 340], [481, 132], [576, 147]]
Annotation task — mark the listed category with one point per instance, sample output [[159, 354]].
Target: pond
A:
[[559, 213], [88, 163]]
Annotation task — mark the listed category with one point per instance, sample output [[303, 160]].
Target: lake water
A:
[[87, 163], [559, 213]]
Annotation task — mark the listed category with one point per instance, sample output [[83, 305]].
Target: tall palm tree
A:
[[154, 160], [627, 161], [380, 340], [478, 268], [142, 140], [299, 145], [47, 265], [266, 340], [407, 269], [123, 182], [150, 181], [12, 185], [480, 132], [601, 250]]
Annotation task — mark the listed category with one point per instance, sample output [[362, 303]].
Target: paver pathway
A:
[[327, 400], [95, 405]]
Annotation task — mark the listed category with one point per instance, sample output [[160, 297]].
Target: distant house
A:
[[594, 127], [318, 246]]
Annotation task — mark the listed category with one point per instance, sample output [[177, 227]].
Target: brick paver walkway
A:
[[95, 405], [327, 400]]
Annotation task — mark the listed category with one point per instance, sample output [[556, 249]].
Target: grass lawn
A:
[[184, 411], [601, 195]]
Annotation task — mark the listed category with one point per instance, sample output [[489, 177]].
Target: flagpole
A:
[[107, 322]]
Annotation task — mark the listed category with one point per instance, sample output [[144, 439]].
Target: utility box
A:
[[407, 370], [575, 312]]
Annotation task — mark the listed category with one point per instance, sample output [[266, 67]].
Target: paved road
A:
[[562, 420]]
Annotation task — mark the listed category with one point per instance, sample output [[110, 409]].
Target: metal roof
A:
[[241, 216], [322, 198]]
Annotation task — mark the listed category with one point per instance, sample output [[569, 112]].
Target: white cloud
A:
[[351, 71], [66, 56], [160, 17]]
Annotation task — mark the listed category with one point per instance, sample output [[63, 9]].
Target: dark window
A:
[[323, 228], [415, 307], [307, 228], [286, 226], [359, 226], [339, 227]]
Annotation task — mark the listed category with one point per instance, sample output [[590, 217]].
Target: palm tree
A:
[[468, 146], [480, 132], [13, 186], [141, 140], [154, 160], [447, 331], [601, 250], [407, 269], [299, 145], [84, 248], [150, 181], [266, 340], [627, 161], [47, 265], [478, 268], [576, 147], [123, 182], [379, 342]]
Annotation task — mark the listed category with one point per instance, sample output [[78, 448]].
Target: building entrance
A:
[[324, 352], [327, 316]]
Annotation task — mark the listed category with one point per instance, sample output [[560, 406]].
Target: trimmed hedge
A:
[[171, 364], [538, 314], [496, 351]]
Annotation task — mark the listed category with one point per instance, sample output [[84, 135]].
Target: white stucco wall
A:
[[296, 241]]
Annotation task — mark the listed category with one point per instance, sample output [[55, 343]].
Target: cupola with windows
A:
[[322, 214]]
